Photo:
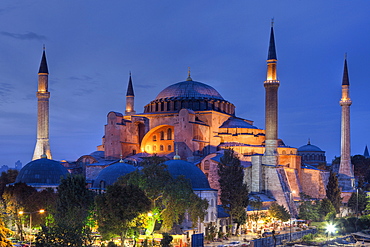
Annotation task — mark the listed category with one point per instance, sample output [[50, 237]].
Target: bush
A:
[[308, 237]]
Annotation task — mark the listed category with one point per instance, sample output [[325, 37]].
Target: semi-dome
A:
[[110, 174], [189, 90], [42, 172], [191, 95], [180, 167]]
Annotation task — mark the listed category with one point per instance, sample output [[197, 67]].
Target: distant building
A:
[[18, 165], [312, 155]]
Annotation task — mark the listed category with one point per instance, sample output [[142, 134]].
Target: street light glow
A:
[[330, 228]]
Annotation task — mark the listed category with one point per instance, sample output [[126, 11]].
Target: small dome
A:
[[237, 123], [309, 148], [180, 167], [189, 90], [110, 174], [42, 172]]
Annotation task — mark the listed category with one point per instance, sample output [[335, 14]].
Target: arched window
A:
[[162, 135], [154, 138], [154, 148], [206, 165], [169, 134], [283, 152], [169, 148], [161, 147]]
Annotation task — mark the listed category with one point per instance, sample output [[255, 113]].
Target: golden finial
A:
[[272, 22], [43, 47], [345, 56], [177, 156], [189, 78]]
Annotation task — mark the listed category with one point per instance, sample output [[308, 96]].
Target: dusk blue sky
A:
[[91, 46]]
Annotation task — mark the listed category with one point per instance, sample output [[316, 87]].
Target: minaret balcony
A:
[[272, 82], [345, 102]]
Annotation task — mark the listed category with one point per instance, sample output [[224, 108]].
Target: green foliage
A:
[[70, 226], [308, 210], [325, 208], [279, 212], [333, 192], [234, 192], [18, 197], [358, 201], [120, 205], [170, 197]]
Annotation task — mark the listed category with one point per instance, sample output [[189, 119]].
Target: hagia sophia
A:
[[190, 123]]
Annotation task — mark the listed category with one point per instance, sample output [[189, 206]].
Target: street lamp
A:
[[41, 211], [330, 228]]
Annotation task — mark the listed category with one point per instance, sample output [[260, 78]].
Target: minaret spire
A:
[[42, 143], [130, 98], [346, 174], [271, 104]]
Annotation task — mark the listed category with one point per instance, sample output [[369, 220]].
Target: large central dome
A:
[[191, 95], [189, 90]]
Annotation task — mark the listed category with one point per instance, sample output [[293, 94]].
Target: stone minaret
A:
[[345, 173], [130, 98], [42, 144], [271, 105]]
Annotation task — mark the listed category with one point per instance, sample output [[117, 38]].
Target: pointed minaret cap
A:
[[43, 64], [130, 88], [272, 50], [345, 80], [309, 141], [189, 78], [366, 152]]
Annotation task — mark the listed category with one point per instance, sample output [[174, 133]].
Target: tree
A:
[[170, 197], [4, 234], [118, 207], [333, 192], [18, 197], [358, 201], [72, 225], [7, 178], [325, 208], [234, 192], [308, 209], [279, 212]]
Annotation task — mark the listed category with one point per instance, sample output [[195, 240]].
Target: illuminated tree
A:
[[72, 224], [279, 212], [118, 207], [4, 234], [170, 197]]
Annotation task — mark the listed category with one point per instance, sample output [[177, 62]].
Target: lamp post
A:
[[41, 211], [330, 228]]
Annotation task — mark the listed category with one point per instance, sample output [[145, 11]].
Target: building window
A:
[[154, 138], [162, 135], [161, 147], [169, 148], [283, 152], [154, 148], [206, 165], [169, 134]]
